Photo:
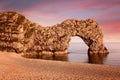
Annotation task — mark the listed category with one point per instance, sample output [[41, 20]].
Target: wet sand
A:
[[15, 67]]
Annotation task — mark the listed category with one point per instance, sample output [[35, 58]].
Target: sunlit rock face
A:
[[18, 34]]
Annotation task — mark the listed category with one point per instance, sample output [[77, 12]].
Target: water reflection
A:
[[55, 57], [96, 58]]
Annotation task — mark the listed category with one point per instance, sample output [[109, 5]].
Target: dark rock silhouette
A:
[[98, 58], [18, 34]]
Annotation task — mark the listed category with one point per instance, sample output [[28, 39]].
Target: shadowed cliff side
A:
[[18, 34]]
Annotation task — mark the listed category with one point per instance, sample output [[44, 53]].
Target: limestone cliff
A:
[[18, 34]]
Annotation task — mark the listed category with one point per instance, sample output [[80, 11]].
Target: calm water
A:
[[78, 53]]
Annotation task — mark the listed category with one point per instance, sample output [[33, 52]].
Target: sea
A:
[[78, 52]]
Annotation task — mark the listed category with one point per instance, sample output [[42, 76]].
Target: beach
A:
[[15, 67]]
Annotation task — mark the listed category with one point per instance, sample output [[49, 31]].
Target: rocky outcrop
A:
[[18, 34]]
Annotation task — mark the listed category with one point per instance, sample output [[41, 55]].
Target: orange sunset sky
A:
[[50, 12]]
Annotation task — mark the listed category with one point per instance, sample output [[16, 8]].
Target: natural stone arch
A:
[[19, 34], [89, 31]]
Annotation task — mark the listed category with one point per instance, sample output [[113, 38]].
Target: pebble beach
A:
[[15, 67]]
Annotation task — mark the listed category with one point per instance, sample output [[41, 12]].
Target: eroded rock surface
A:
[[18, 34]]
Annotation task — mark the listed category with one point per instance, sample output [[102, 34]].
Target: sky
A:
[[51, 12]]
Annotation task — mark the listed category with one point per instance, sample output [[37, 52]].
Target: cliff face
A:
[[18, 34], [14, 30]]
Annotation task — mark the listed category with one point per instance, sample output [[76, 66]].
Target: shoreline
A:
[[15, 67]]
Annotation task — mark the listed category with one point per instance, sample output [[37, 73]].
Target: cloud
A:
[[2, 6], [96, 4], [18, 4], [110, 22], [112, 27], [60, 5]]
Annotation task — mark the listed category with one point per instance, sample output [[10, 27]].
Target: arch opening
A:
[[77, 50]]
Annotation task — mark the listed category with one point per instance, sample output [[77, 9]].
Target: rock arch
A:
[[90, 32], [21, 35]]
